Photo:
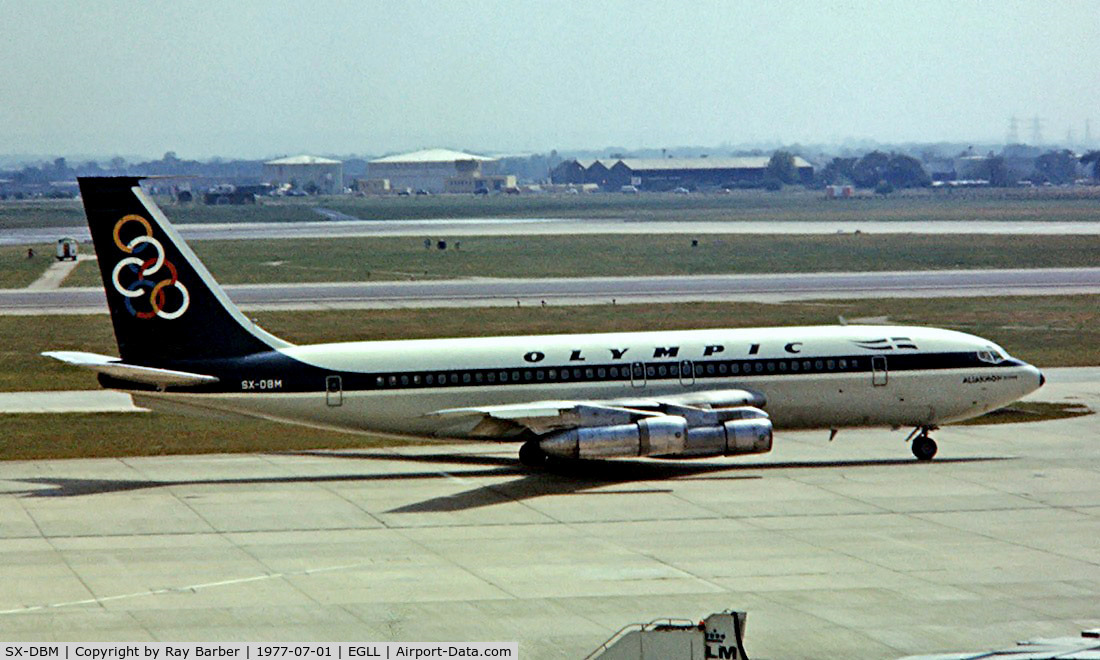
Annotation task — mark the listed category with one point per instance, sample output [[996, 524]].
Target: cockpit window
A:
[[991, 355]]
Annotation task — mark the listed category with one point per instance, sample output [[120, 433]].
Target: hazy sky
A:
[[255, 79]]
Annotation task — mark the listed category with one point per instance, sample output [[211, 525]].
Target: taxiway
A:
[[341, 227], [486, 292], [842, 549]]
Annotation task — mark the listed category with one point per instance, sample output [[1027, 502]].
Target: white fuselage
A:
[[812, 377]]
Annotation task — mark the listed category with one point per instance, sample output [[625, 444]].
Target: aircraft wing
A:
[[541, 417], [115, 367]]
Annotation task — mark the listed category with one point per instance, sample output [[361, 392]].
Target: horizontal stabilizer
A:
[[114, 367]]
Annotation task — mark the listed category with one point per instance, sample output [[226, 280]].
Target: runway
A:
[[603, 290], [842, 549], [452, 227]]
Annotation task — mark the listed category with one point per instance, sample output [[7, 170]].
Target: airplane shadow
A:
[[561, 479], [582, 478]]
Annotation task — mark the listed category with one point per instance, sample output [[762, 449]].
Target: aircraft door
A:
[[334, 391], [687, 373], [637, 374], [879, 374]]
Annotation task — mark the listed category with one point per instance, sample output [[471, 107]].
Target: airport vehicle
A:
[[184, 345], [67, 249]]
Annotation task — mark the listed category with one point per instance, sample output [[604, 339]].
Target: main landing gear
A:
[[924, 447]]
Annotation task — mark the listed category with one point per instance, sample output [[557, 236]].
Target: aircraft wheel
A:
[[924, 448], [531, 455]]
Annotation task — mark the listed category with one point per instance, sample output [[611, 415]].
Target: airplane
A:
[[184, 346]]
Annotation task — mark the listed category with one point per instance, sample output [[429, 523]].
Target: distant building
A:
[[373, 186], [308, 173], [598, 173], [226, 193], [671, 173], [1020, 160], [568, 171], [428, 169], [472, 183], [971, 167], [941, 169]]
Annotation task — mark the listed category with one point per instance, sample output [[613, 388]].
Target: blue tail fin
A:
[[165, 306]]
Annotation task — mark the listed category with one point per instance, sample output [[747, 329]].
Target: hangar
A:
[[428, 169], [668, 173], [308, 173]]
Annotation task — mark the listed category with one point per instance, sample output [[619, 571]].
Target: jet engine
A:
[[723, 433]]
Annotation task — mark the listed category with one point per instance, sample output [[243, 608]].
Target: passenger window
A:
[[843, 364], [794, 365], [662, 370], [454, 379], [565, 374], [504, 376], [416, 379], [771, 366], [540, 374], [404, 380], [492, 377], [553, 374], [819, 365], [588, 374], [466, 377], [759, 367], [783, 366], [526, 375], [674, 370], [650, 371], [614, 372], [601, 372], [710, 369], [393, 380], [379, 382], [831, 364], [805, 365], [479, 377]]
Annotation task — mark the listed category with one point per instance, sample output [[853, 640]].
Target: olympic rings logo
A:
[[140, 269]]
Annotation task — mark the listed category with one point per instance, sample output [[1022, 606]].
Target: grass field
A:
[[41, 213], [1047, 331], [791, 204], [17, 271], [49, 436], [1079, 204], [1028, 411], [367, 259]]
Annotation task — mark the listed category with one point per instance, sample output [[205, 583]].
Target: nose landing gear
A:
[[924, 447]]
